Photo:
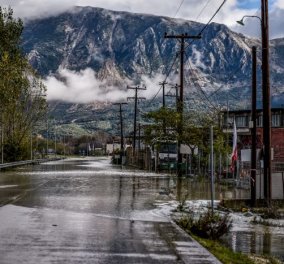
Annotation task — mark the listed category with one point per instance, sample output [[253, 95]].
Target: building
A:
[[243, 121]]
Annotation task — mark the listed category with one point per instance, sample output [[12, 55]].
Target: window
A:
[[276, 120], [259, 121], [241, 121]]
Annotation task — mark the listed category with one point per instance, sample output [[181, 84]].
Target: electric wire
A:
[[167, 75], [206, 4], [217, 11], [179, 7], [197, 85], [207, 24]]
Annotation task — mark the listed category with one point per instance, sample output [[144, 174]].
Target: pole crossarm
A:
[[138, 98], [136, 87], [182, 36], [119, 103]]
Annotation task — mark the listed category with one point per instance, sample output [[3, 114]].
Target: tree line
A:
[[22, 93]]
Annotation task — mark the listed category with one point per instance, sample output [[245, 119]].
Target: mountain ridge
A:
[[124, 48]]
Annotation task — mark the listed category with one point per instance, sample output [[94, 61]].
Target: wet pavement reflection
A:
[[89, 211]]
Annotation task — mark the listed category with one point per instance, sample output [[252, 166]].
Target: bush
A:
[[207, 225]]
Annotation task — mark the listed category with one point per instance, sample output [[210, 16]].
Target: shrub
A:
[[207, 225]]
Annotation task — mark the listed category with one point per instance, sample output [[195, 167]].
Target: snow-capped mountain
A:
[[123, 47]]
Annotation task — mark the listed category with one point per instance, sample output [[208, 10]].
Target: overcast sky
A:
[[197, 10]]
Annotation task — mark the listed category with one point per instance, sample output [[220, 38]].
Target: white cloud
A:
[[279, 4], [80, 87], [84, 87], [190, 10]]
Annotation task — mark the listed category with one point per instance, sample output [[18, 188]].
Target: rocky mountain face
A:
[[122, 47]]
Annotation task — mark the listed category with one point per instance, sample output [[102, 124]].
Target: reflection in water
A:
[[12, 185], [258, 239], [256, 243], [107, 191], [193, 189]]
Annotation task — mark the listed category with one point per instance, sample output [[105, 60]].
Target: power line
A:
[[189, 43], [167, 75], [207, 24], [217, 11], [181, 3], [202, 10]]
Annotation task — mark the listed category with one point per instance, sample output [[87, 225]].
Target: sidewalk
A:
[[188, 249]]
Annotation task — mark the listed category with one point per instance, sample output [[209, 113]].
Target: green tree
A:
[[196, 132], [22, 93], [163, 125]]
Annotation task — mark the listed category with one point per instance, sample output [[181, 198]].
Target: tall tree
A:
[[22, 101]]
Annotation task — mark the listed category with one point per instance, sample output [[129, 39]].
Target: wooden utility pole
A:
[[212, 170], [121, 130], [163, 86], [174, 95], [253, 131], [182, 38], [266, 101], [136, 99], [164, 105]]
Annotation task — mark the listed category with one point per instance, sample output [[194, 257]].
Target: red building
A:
[[243, 118]]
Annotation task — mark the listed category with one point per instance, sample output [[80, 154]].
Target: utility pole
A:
[[174, 95], [164, 104], [253, 131], [2, 141], [212, 169], [121, 130], [31, 145], [182, 37], [55, 140], [139, 137], [136, 99], [47, 138], [266, 101], [163, 86]]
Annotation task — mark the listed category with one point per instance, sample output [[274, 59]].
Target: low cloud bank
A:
[[84, 87]]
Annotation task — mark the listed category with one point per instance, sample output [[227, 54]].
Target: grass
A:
[[227, 256], [224, 254]]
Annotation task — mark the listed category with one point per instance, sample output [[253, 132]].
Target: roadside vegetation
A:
[[22, 93], [207, 229]]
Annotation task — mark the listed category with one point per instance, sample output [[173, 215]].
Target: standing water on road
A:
[[88, 211], [81, 210]]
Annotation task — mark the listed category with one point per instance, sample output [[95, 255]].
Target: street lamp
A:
[[241, 22], [266, 104]]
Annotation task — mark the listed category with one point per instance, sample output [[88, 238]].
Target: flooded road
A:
[[88, 211]]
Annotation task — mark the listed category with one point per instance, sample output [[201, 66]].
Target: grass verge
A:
[[224, 254], [227, 256]]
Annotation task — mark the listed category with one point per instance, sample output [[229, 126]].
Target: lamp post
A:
[[265, 98], [241, 22]]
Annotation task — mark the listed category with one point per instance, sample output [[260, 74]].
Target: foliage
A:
[[196, 132], [164, 125], [268, 213], [223, 253], [207, 225], [21, 91]]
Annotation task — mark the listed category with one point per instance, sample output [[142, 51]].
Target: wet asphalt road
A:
[[88, 211]]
